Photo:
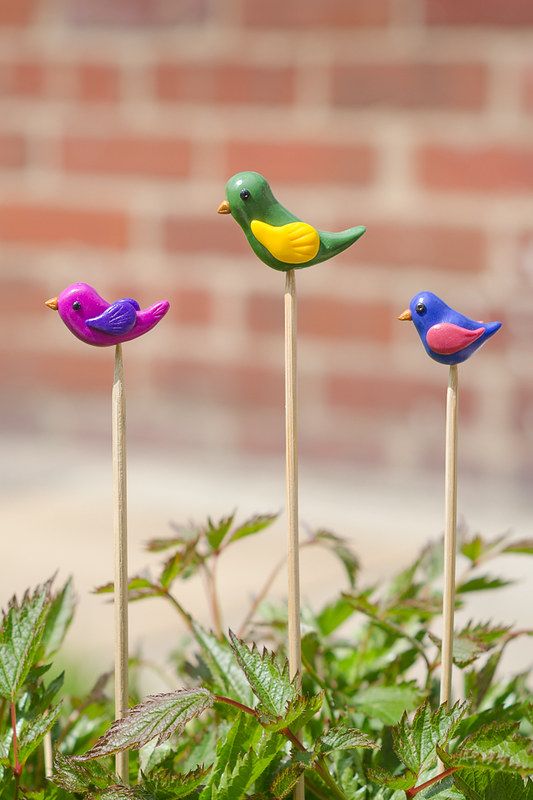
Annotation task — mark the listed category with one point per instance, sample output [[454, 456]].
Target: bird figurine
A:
[[448, 336], [276, 236], [95, 321]]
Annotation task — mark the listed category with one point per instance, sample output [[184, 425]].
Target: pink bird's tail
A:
[[159, 310]]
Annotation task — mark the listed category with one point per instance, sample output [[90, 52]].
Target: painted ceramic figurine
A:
[[275, 235], [95, 321], [448, 336]]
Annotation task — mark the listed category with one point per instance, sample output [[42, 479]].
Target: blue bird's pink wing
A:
[[447, 338], [116, 320]]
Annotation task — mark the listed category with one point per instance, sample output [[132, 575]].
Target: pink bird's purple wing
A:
[[116, 320], [447, 338]]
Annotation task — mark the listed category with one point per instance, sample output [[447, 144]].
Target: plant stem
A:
[[261, 596], [416, 789], [186, 617], [320, 765], [17, 768], [215, 603]]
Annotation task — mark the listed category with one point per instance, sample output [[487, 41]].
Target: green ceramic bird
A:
[[275, 235]]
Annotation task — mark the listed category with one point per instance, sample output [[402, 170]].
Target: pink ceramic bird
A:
[[95, 321]]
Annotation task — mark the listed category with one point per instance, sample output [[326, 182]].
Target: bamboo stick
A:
[[120, 526], [291, 461], [450, 537]]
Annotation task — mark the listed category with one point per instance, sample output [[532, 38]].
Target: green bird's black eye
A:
[[76, 305], [245, 194], [420, 308]]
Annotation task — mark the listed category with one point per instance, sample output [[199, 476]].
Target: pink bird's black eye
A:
[[76, 305], [245, 194]]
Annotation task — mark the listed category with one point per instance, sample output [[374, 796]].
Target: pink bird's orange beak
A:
[[405, 315], [52, 303], [224, 208]]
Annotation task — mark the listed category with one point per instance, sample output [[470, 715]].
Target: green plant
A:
[[365, 726]]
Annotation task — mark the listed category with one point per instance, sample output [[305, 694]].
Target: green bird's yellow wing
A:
[[294, 243]]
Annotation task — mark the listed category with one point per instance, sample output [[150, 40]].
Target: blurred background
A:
[[121, 122]]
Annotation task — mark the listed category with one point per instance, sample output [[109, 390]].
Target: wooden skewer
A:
[[450, 537], [291, 456], [120, 525], [48, 755]]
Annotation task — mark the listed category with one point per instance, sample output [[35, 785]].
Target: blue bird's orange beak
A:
[[405, 315], [52, 303]]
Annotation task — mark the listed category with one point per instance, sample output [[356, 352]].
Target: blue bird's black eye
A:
[[420, 308], [76, 305], [245, 194]]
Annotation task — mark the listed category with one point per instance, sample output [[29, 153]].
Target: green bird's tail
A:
[[334, 243]]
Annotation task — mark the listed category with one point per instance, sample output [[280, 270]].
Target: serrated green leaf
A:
[[32, 731], [215, 532], [58, 620], [473, 641], [20, 638], [333, 615], [269, 681], [164, 785], [158, 716], [341, 737], [387, 703], [479, 784], [75, 777], [253, 525], [415, 742], [138, 586], [384, 778], [495, 746], [483, 583], [298, 713], [223, 665], [227, 751], [286, 780]]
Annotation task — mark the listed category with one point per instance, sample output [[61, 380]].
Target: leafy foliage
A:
[[362, 722]]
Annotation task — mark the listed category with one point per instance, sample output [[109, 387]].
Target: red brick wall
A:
[[121, 122]]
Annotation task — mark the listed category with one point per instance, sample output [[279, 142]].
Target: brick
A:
[[192, 306], [459, 86], [316, 13], [304, 162], [224, 83], [527, 89], [138, 12], [239, 385], [499, 168], [41, 224], [324, 317], [22, 78], [98, 83], [403, 244], [12, 151], [21, 296], [79, 373], [390, 395], [160, 157], [182, 234], [17, 13], [506, 13]]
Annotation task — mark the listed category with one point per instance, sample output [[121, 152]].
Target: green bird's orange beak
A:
[[52, 303], [405, 315], [224, 208]]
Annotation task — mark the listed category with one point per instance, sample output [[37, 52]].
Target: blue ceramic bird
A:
[[448, 336]]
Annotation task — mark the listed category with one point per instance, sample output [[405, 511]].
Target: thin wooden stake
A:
[[48, 755], [291, 460], [450, 537], [120, 520]]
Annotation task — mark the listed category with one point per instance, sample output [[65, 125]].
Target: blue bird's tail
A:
[[491, 328]]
